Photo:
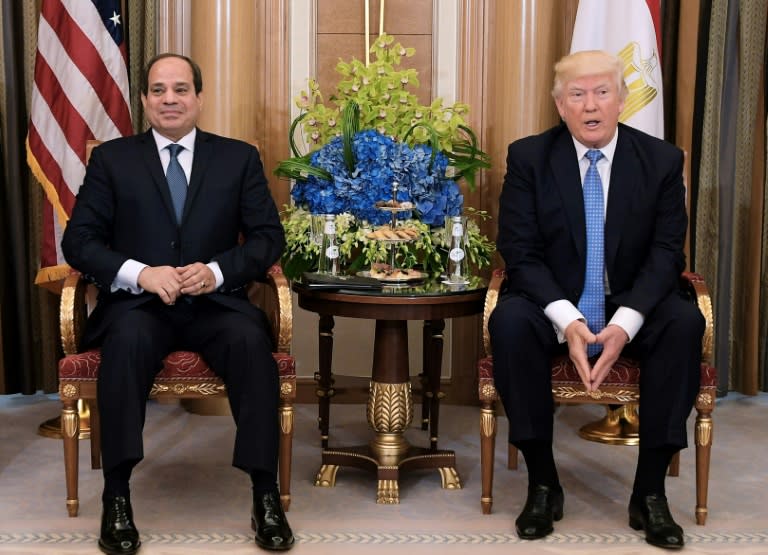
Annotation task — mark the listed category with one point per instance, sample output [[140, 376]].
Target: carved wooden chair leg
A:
[[703, 438], [286, 445], [70, 430], [674, 465], [487, 449]]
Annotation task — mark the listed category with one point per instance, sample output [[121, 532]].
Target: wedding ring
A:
[[202, 284]]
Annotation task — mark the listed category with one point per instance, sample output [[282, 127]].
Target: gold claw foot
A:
[[326, 476], [450, 477], [388, 492]]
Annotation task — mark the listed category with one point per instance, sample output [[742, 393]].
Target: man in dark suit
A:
[[171, 262], [619, 259]]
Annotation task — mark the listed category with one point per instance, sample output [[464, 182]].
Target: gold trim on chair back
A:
[[695, 284], [72, 312], [491, 298]]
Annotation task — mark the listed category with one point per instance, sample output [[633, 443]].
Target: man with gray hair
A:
[[592, 223]]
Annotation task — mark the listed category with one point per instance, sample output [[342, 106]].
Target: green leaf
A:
[[350, 124]]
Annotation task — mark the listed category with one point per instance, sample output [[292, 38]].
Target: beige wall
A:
[[340, 35]]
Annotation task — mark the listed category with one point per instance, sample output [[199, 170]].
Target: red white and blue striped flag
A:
[[80, 92]]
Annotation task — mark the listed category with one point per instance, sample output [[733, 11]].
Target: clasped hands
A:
[[169, 283], [613, 339]]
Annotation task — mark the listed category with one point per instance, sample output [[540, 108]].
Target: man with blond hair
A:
[[592, 223]]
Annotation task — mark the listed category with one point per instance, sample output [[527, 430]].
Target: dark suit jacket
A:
[[542, 233], [124, 210]]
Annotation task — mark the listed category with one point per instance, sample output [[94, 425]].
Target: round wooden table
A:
[[390, 401]]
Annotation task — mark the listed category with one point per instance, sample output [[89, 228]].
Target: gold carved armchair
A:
[[621, 386], [185, 375]]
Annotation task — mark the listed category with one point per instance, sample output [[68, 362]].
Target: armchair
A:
[[620, 386], [184, 375]]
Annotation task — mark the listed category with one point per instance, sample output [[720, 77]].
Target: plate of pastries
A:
[[387, 274], [396, 234], [394, 205]]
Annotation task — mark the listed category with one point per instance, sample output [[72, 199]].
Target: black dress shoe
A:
[[118, 533], [543, 506], [269, 522], [651, 513]]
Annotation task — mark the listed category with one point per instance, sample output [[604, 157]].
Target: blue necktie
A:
[[592, 302], [177, 181]]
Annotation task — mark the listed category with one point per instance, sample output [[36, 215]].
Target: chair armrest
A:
[[690, 282], [277, 306], [72, 312], [696, 287], [498, 277], [274, 298]]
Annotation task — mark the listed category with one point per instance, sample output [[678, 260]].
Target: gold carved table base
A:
[[619, 426], [390, 412], [388, 469]]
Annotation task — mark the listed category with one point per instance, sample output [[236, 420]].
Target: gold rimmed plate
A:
[[397, 277]]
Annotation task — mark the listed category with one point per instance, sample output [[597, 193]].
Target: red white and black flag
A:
[[80, 92], [629, 29]]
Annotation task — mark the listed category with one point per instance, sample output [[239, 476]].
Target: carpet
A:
[[188, 499]]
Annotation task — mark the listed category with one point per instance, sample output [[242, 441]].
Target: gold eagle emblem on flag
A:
[[638, 75]]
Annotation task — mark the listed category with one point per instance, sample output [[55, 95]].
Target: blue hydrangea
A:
[[380, 161]]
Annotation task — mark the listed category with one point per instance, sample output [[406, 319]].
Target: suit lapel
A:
[[155, 169], [625, 171], [565, 168], [200, 164]]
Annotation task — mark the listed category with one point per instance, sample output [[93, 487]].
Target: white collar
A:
[[187, 141], [608, 150]]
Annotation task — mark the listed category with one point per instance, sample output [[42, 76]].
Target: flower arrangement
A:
[[375, 133]]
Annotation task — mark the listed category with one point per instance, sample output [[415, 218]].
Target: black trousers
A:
[[668, 347], [236, 346]]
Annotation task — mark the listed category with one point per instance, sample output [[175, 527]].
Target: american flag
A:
[[80, 92]]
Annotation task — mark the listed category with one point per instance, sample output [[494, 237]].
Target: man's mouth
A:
[[592, 123]]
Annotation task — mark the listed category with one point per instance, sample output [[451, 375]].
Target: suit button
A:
[[174, 245]]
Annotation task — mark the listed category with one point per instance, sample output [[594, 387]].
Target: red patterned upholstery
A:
[[179, 365], [625, 373]]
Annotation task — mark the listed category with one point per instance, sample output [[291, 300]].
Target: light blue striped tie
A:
[[177, 181], [592, 302]]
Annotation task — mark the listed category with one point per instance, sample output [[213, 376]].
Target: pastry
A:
[[404, 205], [387, 233]]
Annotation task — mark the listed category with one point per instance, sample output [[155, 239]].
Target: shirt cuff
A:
[[628, 319], [214, 266], [561, 313], [127, 277]]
